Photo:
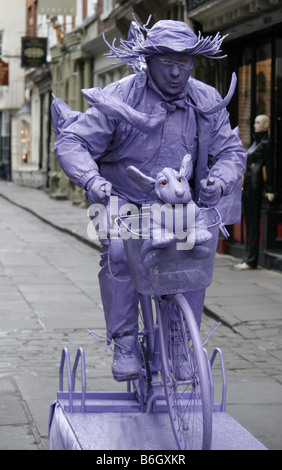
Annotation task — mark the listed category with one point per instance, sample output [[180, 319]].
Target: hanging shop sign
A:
[[4, 73], [57, 7], [34, 51]]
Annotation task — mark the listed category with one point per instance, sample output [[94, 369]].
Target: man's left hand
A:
[[210, 192]]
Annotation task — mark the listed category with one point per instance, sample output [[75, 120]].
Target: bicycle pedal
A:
[[125, 378]]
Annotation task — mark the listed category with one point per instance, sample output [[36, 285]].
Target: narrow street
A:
[[49, 298]]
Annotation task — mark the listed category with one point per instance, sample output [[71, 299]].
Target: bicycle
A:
[[174, 362]]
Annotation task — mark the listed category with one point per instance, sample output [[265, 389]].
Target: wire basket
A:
[[168, 270]]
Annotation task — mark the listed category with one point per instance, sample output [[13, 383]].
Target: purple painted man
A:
[[150, 120]]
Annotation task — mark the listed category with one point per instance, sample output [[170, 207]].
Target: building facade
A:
[[31, 159], [12, 28]]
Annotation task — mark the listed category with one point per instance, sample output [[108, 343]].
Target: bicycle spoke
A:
[[188, 395]]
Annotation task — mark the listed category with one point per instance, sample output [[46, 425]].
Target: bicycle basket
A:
[[168, 270]]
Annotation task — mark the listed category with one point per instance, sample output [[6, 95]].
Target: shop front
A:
[[258, 62], [254, 52]]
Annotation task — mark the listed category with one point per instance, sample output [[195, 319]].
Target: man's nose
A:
[[175, 70]]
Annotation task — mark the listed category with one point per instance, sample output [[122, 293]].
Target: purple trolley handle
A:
[[223, 375], [66, 360], [71, 375], [80, 355]]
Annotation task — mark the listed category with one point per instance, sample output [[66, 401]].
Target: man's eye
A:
[[164, 183]]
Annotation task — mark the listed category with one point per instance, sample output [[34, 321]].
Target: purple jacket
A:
[[131, 123]]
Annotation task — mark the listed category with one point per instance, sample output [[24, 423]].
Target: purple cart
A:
[[83, 420]]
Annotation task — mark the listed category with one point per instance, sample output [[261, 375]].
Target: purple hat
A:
[[164, 37]]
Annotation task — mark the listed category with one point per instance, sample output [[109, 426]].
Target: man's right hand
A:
[[99, 192]]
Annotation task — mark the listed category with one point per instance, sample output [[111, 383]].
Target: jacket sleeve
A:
[[227, 158], [79, 146]]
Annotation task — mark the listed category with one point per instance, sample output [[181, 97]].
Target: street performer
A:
[[150, 119]]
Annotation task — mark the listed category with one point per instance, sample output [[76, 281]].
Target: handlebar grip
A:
[[211, 181]]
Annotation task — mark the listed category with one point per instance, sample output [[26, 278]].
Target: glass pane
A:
[[278, 120], [245, 98], [263, 80]]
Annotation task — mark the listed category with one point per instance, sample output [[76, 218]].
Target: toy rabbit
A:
[[172, 191]]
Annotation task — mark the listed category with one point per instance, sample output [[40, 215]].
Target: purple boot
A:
[[126, 365]]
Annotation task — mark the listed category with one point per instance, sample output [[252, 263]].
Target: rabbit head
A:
[[171, 186]]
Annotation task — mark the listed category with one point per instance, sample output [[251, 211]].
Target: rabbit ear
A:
[[186, 168], [140, 181]]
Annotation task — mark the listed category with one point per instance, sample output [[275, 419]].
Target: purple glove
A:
[[210, 192], [99, 191]]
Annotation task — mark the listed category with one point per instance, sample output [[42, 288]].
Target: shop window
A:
[[245, 96], [263, 80], [107, 8], [258, 62], [277, 124], [254, 87], [25, 142]]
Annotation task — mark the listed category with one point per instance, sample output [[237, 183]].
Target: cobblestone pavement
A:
[[50, 297]]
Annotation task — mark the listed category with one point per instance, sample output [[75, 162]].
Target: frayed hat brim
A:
[[166, 36]]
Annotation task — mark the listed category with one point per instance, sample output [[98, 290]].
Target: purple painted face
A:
[[171, 71]]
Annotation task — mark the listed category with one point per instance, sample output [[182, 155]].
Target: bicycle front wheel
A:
[[185, 375]]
